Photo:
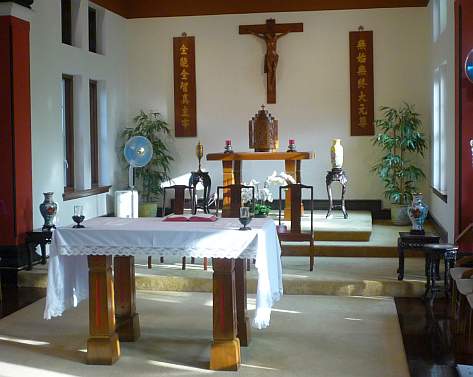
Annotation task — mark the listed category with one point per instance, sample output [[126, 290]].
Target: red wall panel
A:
[[15, 131]]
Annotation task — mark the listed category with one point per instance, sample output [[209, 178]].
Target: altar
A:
[[232, 167], [80, 266]]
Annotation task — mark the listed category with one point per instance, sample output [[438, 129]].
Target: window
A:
[[94, 140], [92, 30], [68, 130], [439, 179], [66, 21], [439, 18]]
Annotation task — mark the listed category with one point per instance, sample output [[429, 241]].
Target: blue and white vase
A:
[[48, 210], [418, 212]]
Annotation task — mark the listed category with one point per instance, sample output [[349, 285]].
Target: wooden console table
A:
[[232, 165]]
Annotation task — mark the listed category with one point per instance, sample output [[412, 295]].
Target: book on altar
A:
[[202, 217]]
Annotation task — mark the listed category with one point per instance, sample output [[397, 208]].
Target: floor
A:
[[425, 337], [334, 337]]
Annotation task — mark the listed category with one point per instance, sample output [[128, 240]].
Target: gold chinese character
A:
[[361, 45], [184, 74], [184, 62], [184, 86], [362, 110], [185, 112], [362, 84], [361, 58], [185, 99], [363, 122], [183, 49], [185, 122], [361, 70], [362, 97]]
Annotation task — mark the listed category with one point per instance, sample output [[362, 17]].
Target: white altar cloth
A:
[[68, 270]]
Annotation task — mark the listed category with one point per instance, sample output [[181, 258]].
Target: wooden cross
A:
[[270, 33]]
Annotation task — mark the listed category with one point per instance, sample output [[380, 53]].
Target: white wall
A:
[[442, 50], [49, 60], [313, 84]]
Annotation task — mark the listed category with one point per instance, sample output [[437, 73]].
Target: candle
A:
[[228, 142]]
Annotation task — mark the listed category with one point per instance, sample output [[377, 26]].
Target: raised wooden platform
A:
[[357, 227]]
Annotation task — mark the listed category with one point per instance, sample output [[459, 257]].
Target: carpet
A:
[[319, 336]]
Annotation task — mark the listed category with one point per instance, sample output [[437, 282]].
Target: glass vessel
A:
[[78, 216], [245, 218]]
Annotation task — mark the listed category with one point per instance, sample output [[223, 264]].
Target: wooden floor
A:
[[425, 330]]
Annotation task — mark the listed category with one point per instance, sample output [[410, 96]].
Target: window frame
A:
[[94, 132], [66, 22], [68, 108], [92, 21]]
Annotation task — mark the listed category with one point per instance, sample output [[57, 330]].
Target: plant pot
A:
[[148, 209], [399, 214]]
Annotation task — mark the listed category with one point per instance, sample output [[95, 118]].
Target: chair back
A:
[[234, 195], [179, 198]]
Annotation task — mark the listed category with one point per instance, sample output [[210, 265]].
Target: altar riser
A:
[[367, 288]]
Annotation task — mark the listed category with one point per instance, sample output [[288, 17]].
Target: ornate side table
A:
[[336, 175], [204, 178], [35, 238], [408, 241], [433, 254]]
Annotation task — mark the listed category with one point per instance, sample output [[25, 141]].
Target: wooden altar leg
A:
[[228, 179], [243, 320], [225, 351], [103, 346], [291, 169], [128, 321]]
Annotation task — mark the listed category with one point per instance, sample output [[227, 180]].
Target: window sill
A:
[[71, 194], [441, 195]]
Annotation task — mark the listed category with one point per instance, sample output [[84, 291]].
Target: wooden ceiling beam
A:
[[174, 8]]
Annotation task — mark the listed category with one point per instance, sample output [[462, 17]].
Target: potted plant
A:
[[399, 137], [148, 179]]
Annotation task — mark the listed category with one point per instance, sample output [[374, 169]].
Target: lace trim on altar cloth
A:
[[220, 252]]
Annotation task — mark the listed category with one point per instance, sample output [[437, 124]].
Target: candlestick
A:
[[228, 146], [291, 146]]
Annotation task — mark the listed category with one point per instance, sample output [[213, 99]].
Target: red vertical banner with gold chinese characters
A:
[[361, 83], [185, 113]]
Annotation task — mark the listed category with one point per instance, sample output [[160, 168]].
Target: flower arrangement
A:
[[263, 194]]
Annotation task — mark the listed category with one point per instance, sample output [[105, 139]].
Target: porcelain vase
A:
[[418, 212], [48, 209], [336, 154]]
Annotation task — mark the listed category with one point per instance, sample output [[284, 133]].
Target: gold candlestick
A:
[[199, 152]]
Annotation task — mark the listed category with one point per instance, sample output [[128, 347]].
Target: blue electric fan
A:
[[469, 66], [138, 152]]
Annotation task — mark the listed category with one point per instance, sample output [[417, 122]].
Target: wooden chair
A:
[[234, 195], [178, 209], [295, 234]]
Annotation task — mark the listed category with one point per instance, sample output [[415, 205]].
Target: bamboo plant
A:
[[399, 137], [150, 177]]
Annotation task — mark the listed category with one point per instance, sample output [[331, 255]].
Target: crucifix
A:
[[270, 32]]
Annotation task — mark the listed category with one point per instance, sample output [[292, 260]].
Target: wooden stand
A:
[[225, 351], [102, 346]]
